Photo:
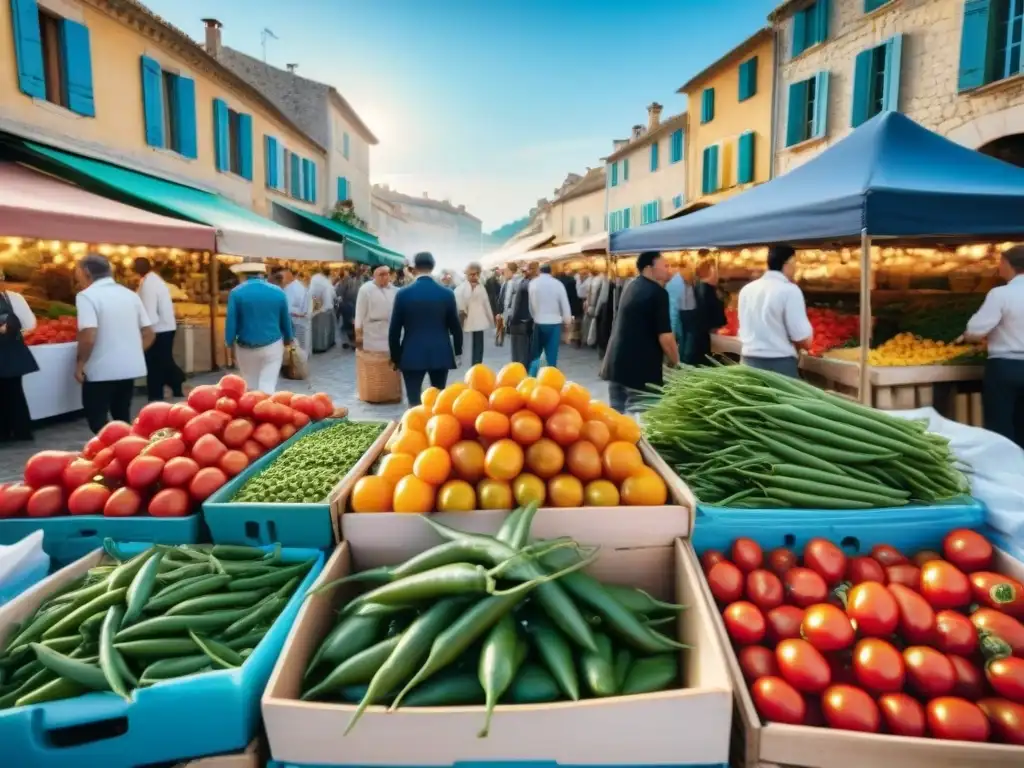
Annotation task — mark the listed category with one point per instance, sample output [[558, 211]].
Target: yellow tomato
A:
[[527, 488], [494, 494], [601, 493], [456, 496]]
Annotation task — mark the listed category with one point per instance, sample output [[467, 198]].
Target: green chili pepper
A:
[[73, 620], [141, 588], [167, 669], [85, 674], [349, 637], [623, 662], [221, 655], [556, 654], [111, 665], [533, 685], [203, 585], [164, 625], [520, 534], [357, 668], [638, 601], [64, 644], [185, 572], [41, 676], [508, 527], [652, 673], [274, 579], [156, 649], [26, 671], [268, 609], [40, 624], [449, 690], [90, 628], [61, 688], [598, 671], [497, 666], [122, 576]]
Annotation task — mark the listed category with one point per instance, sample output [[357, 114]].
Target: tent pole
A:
[[864, 393]]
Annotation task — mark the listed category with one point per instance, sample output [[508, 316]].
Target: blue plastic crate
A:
[[208, 714], [13, 588]]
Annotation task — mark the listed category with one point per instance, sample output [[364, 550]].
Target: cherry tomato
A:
[[873, 608], [827, 628], [902, 714], [967, 550], [726, 582], [878, 666], [777, 701], [969, 684], [917, 619], [805, 587], [764, 589], [990, 589], [756, 661], [45, 502], [1004, 627], [887, 555], [709, 558], [1006, 719], [802, 666], [861, 569], [826, 559], [925, 556], [929, 672], [781, 560], [1006, 676], [956, 720], [906, 574], [850, 709], [124, 502], [944, 585], [784, 622], [744, 623], [747, 555], [954, 633]]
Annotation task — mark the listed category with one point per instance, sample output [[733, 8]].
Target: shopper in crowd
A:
[[704, 313], [114, 333], [493, 286], [1000, 323], [161, 370], [474, 305], [374, 305], [424, 337], [642, 336], [348, 290], [300, 307], [551, 312], [773, 317], [676, 287], [519, 324], [258, 326], [598, 293], [321, 298], [16, 361]]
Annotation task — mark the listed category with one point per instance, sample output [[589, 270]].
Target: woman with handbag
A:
[[16, 360]]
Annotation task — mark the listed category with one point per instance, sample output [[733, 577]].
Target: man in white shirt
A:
[[1000, 322], [474, 307], [156, 300], [321, 297], [773, 317], [300, 307], [374, 304], [114, 333], [549, 306]]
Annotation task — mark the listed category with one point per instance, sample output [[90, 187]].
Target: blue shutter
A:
[[713, 170], [245, 145], [748, 79], [873, 5], [296, 177], [312, 181], [795, 113], [625, 169], [28, 48], [270, 160], [625, 217], [893, 65], [185, 115], [820, 126], [677, 202], [707, 105], [342, 189], [705, 185], [615, 174], [654, 157], [657, 209], [153, 101], [221, 135], [800, 32], [745, 161], [76, 71], [861, 87], [822, 11], [976, 45]]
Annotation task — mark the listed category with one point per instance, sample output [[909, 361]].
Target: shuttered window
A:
[[807, 110], [654, 157], [810, 26], [342, 189], [991, 41], [232, 133], [677, 202], [745, 158], [650, 212], [876, 80], [709, 170], [707, 105], [748, 79], [168, 109], [614, 176], [676, 153], [625, 169], [874, 5]]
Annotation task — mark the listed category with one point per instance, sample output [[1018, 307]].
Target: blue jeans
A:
[[549, 336]]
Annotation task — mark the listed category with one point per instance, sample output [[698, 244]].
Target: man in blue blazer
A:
[[423, 318]]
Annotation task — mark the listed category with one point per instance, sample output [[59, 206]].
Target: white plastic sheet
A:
[[21, 565]]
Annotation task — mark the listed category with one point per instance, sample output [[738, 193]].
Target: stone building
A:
[[425, 224], [952, 65], [577, 208]]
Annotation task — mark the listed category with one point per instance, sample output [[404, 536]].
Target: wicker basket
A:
[[376, 380]]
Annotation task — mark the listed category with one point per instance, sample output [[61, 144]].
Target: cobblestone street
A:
[[332, 372]]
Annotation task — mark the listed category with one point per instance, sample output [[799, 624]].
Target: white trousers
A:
[[261, 366], [303, 335]]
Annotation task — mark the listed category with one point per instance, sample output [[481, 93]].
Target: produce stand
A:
[[53, 390]]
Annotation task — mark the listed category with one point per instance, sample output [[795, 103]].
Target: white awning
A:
[[597, 242], [515, 250]]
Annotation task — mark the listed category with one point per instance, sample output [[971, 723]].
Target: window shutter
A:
[[221, 136], [153, 101], [345, 145], [800, 32], [626, 215], [748, 79], [861, 87], [705, 172], [677, 202], [820, 105], [245, 145], [656, 205], [270, 160], [976, 43], [873, 5], [296, 176], [342, 189], [677, 146], [625, 169], [795, 113], [312, 181], [745, 160], [893, 65], [822, 9], [654, 157], [77, 67], [615, 174], [707, 106], [185, 115], [28, 48], [713, 175]]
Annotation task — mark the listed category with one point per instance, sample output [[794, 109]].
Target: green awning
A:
[[361, 247], [240, 231]]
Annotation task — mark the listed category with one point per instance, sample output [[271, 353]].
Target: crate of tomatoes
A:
[[59, 330], [902, 646]]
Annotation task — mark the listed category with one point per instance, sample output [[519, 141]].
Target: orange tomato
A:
[[503, 460], [481, 378], [606, 416], [564, 428], [565, 491], [446, 397], [433, 465], [644, 489], [443, 430], [413, 495], [410, 442], [526, 386], [468, 405], [372, 493], [583, 460], [468, 460], [527, 488], [395, 466], [494, 494], [549, 376], [596, 432], [526, 427], [510, 375], [601, 493], [620, 460], [627, 429], [543, 400], [456, 496], [577, 396], [428, 397], [545, 458], [492, 425], [506, 400], [415, 419]]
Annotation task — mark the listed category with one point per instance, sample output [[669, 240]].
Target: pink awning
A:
[[35, 205]]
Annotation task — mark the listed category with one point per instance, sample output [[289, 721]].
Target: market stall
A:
[[516, 250]]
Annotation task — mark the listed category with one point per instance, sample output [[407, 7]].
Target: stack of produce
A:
[[742, 437], [908, 349], [308, 471], [831, 328], [163, 614], [932, 646], [437, 630], [169, 460], [57, 331], [500, 440]]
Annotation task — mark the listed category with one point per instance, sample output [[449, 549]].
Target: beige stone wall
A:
[[559, 218], [928, 84], [644, 185]]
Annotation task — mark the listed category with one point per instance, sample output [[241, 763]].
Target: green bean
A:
[[78, 670], [111, 663]]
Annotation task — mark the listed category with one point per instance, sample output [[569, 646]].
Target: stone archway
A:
[[987, 130], [1008, 148]]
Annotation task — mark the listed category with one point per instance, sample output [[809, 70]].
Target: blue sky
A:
[[488, 102]]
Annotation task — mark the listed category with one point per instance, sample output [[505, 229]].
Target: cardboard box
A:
[[678, 727], [250, 757]]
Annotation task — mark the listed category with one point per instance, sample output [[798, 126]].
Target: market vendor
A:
[[773, 317], [1000, 323], [16, 361], [257, 327]]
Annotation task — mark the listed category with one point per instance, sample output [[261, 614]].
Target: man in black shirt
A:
[[642, 336]]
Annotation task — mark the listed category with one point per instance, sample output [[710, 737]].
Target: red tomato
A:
[[233, 462], [154, 416], [178, 472], [237, 432], [208, 451], [998, 591], [206, 482], [802, 666], [113, 473], [219, 418], [166, 448], [78, 472], [13, 499], [88, 499], [114, 431], [1006, 676], [124, 502], [203, 398], [756, 662], [917, 619], [784, 623], [967, 550], [747, 555], [709, 558], [322, 410], [47, 467], [287, 431], [726, 582], [944, 585], [232, 385], [804, 587], [1004, 627], [282, 416], [45, 502], [861, 569], [827, 628], [744, 623], [227, 405], [764, 589], [904, 573], [264, 410], [252, 450], [180, 415], [203, 424], [267, 436], [969, 684], [143, 472], [954, 633], [925, 556], [929, 672], [777, 701], [902, 714], [850, 709], [873, 609], [878, 666], [284, 398], [826, 559], [956, 720], [299, 420], [887, 555], [304, 404], [248, 401], [325, 400], [170, 502], [103, 457], [781, 560], [1006, 719], [94, 446], [127, 448]]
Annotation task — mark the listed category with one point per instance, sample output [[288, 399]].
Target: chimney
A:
[[426, 195], [292, 67], [653, 115], [638, 131], [213, 36]]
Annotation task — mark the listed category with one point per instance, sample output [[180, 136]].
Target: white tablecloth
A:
[[52, 390]]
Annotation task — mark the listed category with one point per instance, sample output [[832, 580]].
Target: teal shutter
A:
[[677, 146], [677, 202], [77, 68], [342, 189], [153, 101], [795, 110], [705, 178], [822, 10], [654, 157], [893, 65], [270, 160], [800, 32], [626, 215], [820, 125], [656, 209], [28, 48], [221, 136], [615, 174], [245, 146], [312, 181], [713, 173], [345, 145], [625, 169], [296, 177], [977, 41], [745, 161], [185, 115], [861, 87], [707, 105], [873, 5], [748, 79]]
